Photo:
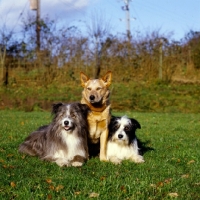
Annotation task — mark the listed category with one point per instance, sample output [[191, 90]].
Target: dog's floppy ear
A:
[[135, 123], [107, 78], [113, 119], [56, 107], [84, 79], [113, 122]]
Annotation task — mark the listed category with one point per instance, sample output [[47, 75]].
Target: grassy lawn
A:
[[171, 168], [141, 97]]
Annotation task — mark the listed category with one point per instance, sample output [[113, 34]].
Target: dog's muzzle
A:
[[67, 126], [120, 136], [92, 98], [95, 101]]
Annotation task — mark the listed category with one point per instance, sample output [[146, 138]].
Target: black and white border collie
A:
[[122, 141], [64, 141]]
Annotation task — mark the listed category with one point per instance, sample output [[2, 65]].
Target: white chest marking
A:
[[120, 151], [73, 145]]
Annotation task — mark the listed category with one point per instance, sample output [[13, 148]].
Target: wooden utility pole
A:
[[2, 61], [160, 59], [35, 5], [38, 25], [126, 8]]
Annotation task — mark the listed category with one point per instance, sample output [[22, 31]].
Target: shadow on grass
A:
[[144, 146]]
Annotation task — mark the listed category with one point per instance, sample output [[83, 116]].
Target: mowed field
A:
[[171, 169]]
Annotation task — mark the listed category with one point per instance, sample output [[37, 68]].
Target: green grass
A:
[[170, 171], [156, 97], [138, 96]]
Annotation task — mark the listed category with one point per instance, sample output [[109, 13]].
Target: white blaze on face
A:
[[125, 121], [120, 133], [68, 111], [66, 121]]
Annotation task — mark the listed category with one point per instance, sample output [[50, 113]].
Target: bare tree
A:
[[98, 30], [6, 41]]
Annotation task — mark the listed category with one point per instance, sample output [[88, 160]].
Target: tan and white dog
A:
[[96, 95]]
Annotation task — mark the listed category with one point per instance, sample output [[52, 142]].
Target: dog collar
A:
[[93, 108]]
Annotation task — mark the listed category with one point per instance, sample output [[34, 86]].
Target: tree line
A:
[[68, 47]]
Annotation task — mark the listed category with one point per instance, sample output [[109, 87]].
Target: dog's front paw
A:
[[62, 163], [115, 160], [139, 159], [103, 159], [77, 164], [78, 161]]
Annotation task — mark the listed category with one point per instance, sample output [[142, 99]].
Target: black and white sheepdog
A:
[[122, 141]]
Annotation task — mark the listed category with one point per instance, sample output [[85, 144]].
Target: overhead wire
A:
[[20, 15], [157, 8], [167, 16]]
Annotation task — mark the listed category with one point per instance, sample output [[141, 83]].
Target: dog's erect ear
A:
[[107, 78], [84, 79], [135, 123], [56, 107]]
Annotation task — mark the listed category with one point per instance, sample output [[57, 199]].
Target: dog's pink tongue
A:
[[67, 128]]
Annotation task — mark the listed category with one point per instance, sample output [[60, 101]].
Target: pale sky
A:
[[168, 16]]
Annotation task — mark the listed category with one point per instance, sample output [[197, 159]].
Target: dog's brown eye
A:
[[98, 88], [116, 127], [127, 128], [73, 115], [89, 89]]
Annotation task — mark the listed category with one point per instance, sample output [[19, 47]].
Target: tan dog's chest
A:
[[98, 123]]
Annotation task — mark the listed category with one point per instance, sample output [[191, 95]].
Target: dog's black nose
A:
[[92, 97], [66, 123], [120, 136]]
